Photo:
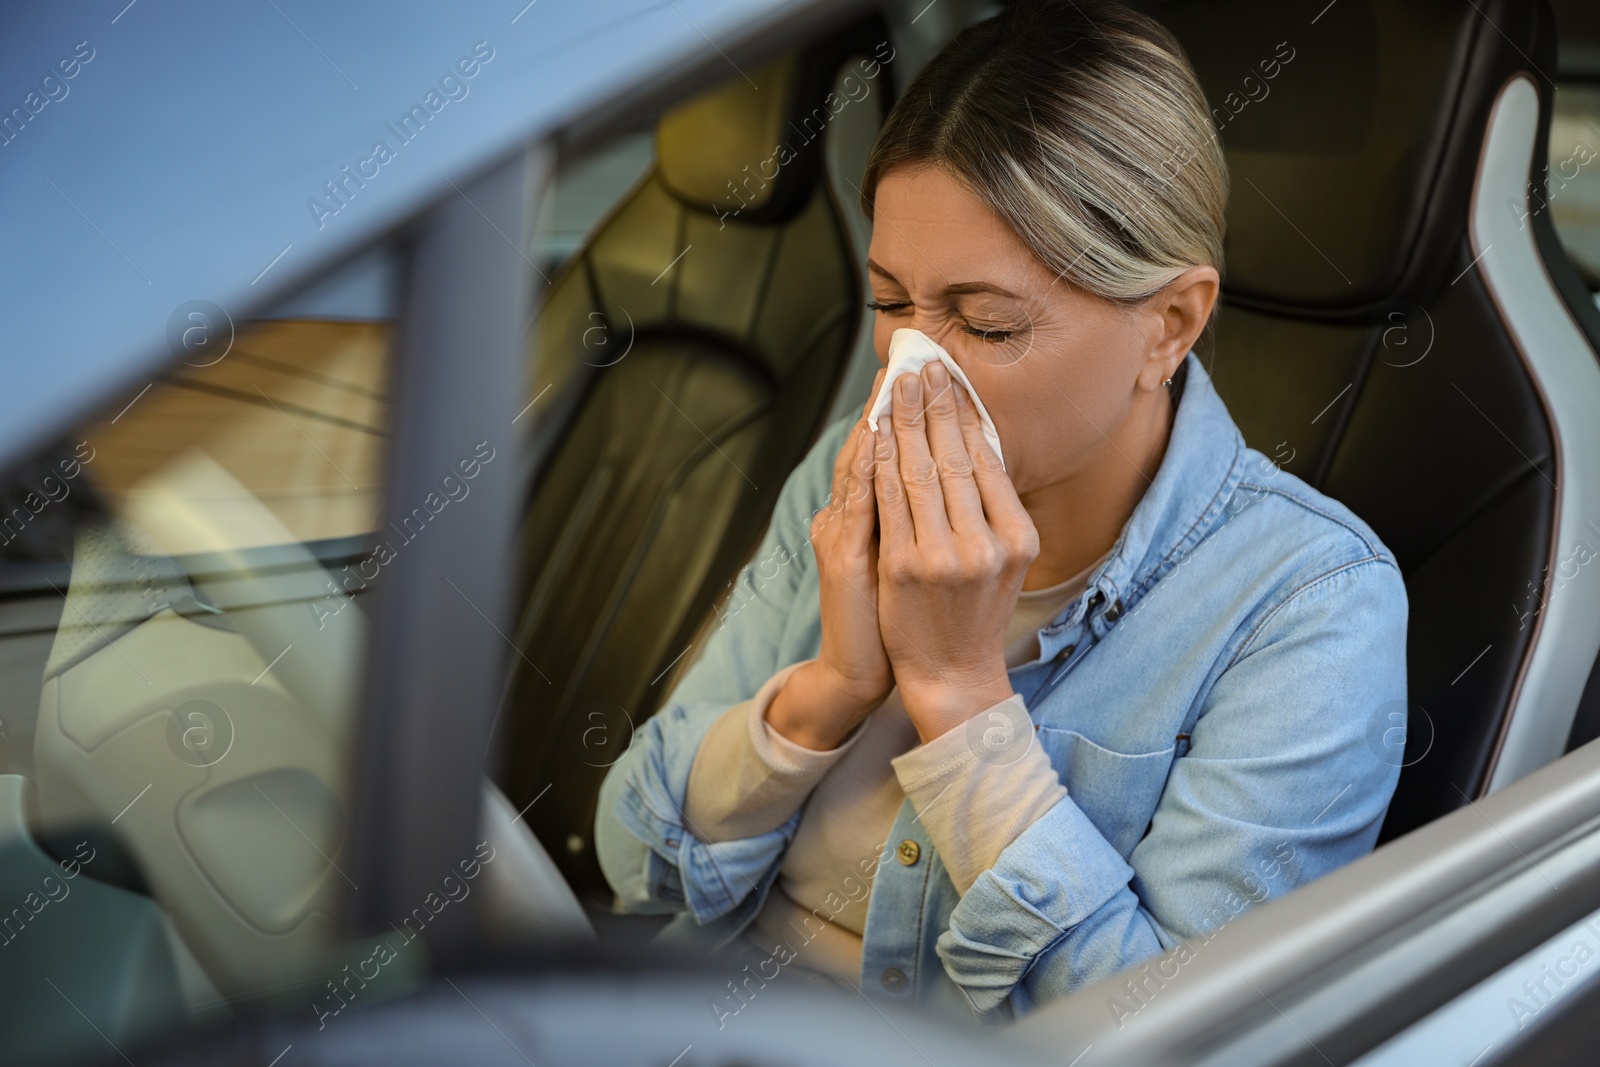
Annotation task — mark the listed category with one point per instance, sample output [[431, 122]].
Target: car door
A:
[[251, 647]]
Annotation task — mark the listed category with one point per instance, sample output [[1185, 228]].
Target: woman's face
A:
[[1059, 370]]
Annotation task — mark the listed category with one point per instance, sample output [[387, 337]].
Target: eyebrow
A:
[[958, 289]]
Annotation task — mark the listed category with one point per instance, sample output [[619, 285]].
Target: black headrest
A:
[[1351, 137]]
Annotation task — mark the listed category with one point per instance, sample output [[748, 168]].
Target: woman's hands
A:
[[955, 544], [824, 700], [920, 554]]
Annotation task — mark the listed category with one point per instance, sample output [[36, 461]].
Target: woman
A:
[[974, 735]]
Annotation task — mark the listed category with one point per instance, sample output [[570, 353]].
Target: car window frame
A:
[[436, 653]]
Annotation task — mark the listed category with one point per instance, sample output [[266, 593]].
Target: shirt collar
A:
[[1203, 464]]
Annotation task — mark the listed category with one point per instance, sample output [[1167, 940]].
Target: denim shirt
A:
[[1220, 704]]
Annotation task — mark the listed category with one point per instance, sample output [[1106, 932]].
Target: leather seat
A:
[[1361, 346], [690, 350]]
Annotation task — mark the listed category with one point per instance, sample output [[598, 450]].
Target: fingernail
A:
[[910, 387], [884, 428], [938, 377], [961, 396]]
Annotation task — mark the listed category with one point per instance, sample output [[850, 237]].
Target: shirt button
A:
[[909, 852], [893, 979], [1114, 612], [1066, 653]]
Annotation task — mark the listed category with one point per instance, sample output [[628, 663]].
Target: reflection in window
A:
[[180, 666], [278, 442]]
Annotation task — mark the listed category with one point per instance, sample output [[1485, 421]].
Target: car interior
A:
[[203, 572], [1347, 259]]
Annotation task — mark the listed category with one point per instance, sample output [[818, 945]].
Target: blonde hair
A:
[[1085, 129]]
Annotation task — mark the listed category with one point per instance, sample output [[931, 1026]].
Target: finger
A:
[[877, 384], [848, 461], [860, 505], [843, 479], [948, 446], [918, 473], [1000, 501], [895, 530], [841, 470]]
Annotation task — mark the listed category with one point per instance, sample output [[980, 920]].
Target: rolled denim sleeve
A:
[[648, 850], [1280, 786]]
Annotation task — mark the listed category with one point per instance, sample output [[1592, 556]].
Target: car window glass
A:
[[1571, 186], [181, 636], [588, 188]]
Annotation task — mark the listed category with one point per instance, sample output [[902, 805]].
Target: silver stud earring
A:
[[1166, 381]]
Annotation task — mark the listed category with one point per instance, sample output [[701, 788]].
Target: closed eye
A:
[[992, 336]]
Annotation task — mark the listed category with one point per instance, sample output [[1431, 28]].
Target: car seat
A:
[[687, 356], [1400, 328]]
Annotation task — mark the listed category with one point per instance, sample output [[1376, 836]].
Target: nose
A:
[[939, 332], [935, 328]]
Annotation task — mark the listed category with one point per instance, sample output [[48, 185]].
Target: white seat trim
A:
[[1562, 366]]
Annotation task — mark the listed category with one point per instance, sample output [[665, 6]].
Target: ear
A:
[[1177, 314]]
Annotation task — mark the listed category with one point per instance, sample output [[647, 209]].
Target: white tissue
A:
[[909, 352]]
